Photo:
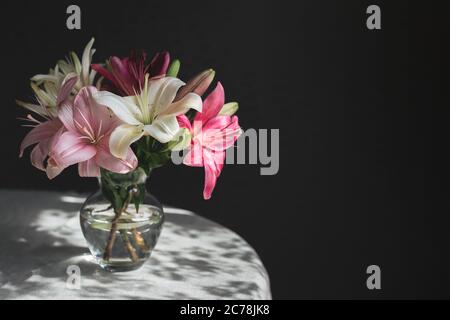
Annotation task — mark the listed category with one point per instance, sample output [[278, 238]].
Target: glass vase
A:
[[121, 222]]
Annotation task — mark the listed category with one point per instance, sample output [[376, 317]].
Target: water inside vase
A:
[[124, 243]]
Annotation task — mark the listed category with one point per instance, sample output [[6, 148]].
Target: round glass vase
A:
[[121, 222]]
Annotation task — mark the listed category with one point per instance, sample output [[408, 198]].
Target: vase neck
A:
[[132, 178], [123, 189]]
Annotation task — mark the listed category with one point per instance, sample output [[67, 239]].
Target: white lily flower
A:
[[152, 112], [47, 86]]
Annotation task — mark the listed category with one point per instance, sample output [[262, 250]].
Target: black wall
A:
[[363, 118]]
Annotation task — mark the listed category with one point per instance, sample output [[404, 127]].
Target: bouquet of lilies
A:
[[127, 115]]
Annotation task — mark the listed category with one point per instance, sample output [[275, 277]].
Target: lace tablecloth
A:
[[195, 258]]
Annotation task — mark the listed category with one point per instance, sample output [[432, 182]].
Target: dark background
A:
[[363, 118]]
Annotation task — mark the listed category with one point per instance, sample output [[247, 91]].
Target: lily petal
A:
[[161, 93], [184, 122], [44, 77], [65, 114], [159, 64], [76, 62], [163, 129], [190, 101], [88, 113], [213, 163], [52, 170], [106, 160], [194, 158], [122, 137], [38, 155], [36, 108], [88, 168], [104, 73], [70, 148], [66, 87], [122, 108], [43, 131], [119, 68], [42, 96], [86, 61], [221, 133], [212, 104]]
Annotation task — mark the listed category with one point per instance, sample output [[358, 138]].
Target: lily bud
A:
[[229, 109], [174, 68], [181, 141], [199, 84]]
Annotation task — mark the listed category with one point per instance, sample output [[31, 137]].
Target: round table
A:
[[43, 255]]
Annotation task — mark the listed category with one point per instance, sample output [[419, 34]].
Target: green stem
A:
[[122, 190], [113, 232], [131, 250], [140, 241]]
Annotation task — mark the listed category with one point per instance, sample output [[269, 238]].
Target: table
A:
[[195, 258]]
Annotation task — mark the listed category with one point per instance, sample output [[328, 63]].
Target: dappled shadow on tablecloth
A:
[[194, 259]]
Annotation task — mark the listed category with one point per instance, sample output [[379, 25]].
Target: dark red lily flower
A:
[[127, 75]]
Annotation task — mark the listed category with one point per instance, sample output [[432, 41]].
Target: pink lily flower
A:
[[127, 75], [212, 134], [43, 133], [89, 126]]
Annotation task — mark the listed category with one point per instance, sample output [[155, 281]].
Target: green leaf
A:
[[119, 188], [139, 197], [151, 154]]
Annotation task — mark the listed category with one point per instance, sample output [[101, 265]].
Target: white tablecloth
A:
[[195, 258]]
